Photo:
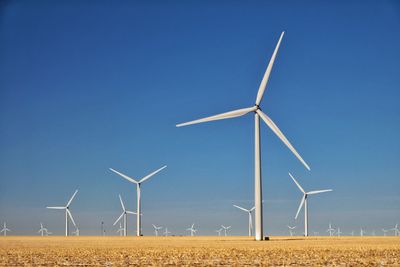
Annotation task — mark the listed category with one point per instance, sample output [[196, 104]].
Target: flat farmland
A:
[[199, 251]]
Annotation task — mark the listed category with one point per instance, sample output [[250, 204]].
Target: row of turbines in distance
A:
[[259, 115]]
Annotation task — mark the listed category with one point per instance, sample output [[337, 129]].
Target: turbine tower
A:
[[138, 184], [156, 228], [304, 201], [250, 219], [257, 114], [67, 213], [5, 229], [123, 214], [226, 228], [42, 231], [192, 230]]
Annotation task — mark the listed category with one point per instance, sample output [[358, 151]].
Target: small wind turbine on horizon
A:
[[304, 201], [67, 213], [330, 230], [156, 228], [42, 231], [5, 229], [76, 232], [120, 230], [124, 215], [396, 230], [257, 153], [291, 228], [192, 230], [384, 232], [362, 232], [226, 228], [219, 231], [249, 211], [166, 232], [138, 184], [338, 232]]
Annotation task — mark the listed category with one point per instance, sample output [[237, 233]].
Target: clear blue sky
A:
[[85, 87]]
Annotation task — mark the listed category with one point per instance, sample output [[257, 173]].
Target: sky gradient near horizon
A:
[[85, 87]]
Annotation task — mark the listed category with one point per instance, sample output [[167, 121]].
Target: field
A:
[[199, 251]]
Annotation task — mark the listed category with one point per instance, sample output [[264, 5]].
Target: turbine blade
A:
[[119, 218], [56, 208], [319, 191], [122, 203], [278, 132], [70, 216], [131, 212], [301, 205], [298, 185], [253, 208], [241, 208], [69, 202], [226, 115], [264, 81], [151, 174], [124, 176]]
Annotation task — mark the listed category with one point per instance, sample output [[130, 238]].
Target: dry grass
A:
[[199, 251]]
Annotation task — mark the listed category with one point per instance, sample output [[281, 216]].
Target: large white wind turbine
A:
[[123, 214], [67, 213], [138, 184], [156, 228], [5, 229], [192, 230], [304, 201], [42, 231], [226, 228], [257, 114], [250, 219]]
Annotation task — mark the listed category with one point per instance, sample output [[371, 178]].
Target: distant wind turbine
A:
[[330, 230], [166, 232], [352, 233], [304, 201], [124, 215], [226, 228], [156, 228], [138, 184], [338, 232], [396, 230], [362, 232], [257, 114], [76, 232], [249, 211], [5, 229], [291, 228], [67, 213], [42, 231], [384, 232], [219, 231], [192, 230]]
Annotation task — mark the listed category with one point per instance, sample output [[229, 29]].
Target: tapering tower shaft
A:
[[258, 183]]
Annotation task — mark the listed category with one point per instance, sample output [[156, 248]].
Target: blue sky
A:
[[86, 86]]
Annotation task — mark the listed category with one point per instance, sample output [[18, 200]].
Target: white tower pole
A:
[[250, 224], [258, 184], [139, 228], [125, 225], [305, 216], [66, 222]]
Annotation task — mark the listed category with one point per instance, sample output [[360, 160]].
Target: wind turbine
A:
[[42, 230], [5, 229], [166, 232], [396, 230], [291, 228], [338, 232], [226, 228], [330, 230], [362, 232], [138, 184], [156, 228], [304, 201], [120, 230], [257, 114], [192, 230], [67, 212], [123, 214], [352, 233], [219, 231], [250, 220]]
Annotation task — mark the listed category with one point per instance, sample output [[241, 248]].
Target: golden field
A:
[[199, 251]]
